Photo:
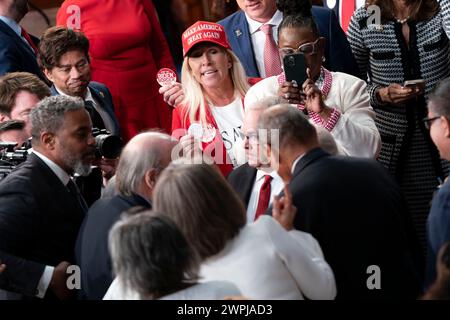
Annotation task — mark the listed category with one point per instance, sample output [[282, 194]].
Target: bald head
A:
[[141, 161]]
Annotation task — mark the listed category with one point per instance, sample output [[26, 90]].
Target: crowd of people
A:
[[234, 179]]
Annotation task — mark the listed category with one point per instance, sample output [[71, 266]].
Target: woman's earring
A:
[[323, 59]]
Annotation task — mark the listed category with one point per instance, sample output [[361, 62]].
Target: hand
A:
[[291, 92], [397, 95], [173, 94], [108, 167], [190, 146], [283, 210], [2, 267], [58, 283], [313, 98]]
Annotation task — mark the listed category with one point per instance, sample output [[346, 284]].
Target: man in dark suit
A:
[[338, 54], [41, 209], [64, 57], [141, 162], [17, 47], [352, 206]]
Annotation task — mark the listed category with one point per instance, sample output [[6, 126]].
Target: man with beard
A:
[[41, 209], [64, 58], [17, 48]]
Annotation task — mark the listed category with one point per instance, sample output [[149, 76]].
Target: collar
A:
[[88, 96], [294, 164], [12, 24], [57, 170], [260, 174], [254, 25]]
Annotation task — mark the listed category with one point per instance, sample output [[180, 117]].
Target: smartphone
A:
[[413, 83], [295, 68]]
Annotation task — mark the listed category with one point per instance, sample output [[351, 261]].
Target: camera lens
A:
[[291, 61]]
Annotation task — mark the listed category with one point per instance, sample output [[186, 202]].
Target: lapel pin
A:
[[238, 32]]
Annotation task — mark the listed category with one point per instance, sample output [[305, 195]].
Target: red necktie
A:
[[347, 9], [30, 42], [264, 197], [272, 64]]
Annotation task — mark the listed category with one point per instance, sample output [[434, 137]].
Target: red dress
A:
[[127, 48]]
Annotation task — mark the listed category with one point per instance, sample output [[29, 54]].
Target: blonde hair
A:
[[194, 97]]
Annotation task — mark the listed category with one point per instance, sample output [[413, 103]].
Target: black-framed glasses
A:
[[428, 121], [307, 49]]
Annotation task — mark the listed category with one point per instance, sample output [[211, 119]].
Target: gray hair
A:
[[48, 115], [150, 255], [440, 99], [326, 141], [142, 153], [290, 124], [265, 103]]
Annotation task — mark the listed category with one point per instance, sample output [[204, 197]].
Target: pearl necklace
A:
[[402, 21]]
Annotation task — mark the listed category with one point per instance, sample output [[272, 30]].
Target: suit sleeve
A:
[[160, 49], [17, 224], [9, 58], [304, 259], [341, 56]]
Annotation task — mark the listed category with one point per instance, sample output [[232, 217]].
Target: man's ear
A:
[[150, 178], [47, 139], [446, 126], [48, 74]]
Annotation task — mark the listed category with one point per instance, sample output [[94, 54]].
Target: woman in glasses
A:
[[409, 40], [335, 101]]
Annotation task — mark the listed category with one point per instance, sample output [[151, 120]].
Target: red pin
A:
[[166, 76]]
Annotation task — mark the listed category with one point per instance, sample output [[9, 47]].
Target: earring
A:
[[323, 59]]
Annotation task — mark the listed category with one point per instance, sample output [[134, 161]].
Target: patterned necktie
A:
[[97, 121], [30, 42], [347, 9], [272, 64], [264, 196], [73, 189]]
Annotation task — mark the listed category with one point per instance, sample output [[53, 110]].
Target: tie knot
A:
[[266, 28], [267, 179]]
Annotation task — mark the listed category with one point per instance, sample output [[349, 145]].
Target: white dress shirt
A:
[[46, 277], [259, 38], [102, 112], [276, 186]]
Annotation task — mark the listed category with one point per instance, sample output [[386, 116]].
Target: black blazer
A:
[[91, 250], [355, 209], [242, 180], [16, 55], [39, 223]]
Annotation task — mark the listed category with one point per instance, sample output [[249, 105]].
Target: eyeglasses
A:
[[307, 49], [428, 121]]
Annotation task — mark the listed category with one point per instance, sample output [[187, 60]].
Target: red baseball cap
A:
[[203, 31]]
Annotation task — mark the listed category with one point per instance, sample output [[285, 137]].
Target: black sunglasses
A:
[[428, 121]]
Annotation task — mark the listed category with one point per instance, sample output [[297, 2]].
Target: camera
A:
[[11, 157], [107, 145]]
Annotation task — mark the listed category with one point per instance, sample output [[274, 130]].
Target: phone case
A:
[[295, 68]]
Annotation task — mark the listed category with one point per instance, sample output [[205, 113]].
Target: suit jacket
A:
[[39, 223], [92, 252], [356, 211], [16, 55], [338, 55], [101, 94], [242, 180]]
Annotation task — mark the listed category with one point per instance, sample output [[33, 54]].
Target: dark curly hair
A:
[[295, 7]]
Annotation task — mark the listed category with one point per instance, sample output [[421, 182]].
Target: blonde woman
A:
[[209, 120]]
